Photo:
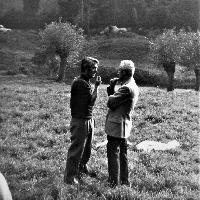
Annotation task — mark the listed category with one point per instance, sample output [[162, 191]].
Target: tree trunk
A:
[[88, 19], [82, 13], [170, 81], [199, 16], [61, 74], [197, 73], [169, 67]]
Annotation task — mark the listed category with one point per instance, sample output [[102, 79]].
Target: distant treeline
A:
[[93, 15]]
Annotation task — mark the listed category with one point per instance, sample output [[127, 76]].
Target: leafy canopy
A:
[[64, 39], [165, 47], [189, 48]]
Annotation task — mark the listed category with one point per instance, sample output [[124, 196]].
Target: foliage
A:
[[69, 9], [148, 77], [63, 39], [96, 14], [189, 49], [30, 7], [35, 137], [143, 76], [165, 47], [107, 73]]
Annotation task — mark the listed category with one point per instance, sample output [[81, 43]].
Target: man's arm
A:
[[111, 87], [94, 94], [119, 97]]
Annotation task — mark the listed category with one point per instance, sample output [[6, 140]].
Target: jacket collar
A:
[[131, 80]]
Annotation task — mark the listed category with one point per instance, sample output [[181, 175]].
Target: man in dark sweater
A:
[[82, 124]]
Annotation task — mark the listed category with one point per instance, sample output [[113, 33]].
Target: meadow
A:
[[34, 127]]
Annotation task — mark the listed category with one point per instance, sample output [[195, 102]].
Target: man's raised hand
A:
[[113, 82], [98, 81]]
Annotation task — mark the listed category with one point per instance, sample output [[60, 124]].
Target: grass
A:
[[34, 126], [35, 117]]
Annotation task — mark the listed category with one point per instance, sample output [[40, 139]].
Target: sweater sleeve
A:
[[110, 90], [121, 96]]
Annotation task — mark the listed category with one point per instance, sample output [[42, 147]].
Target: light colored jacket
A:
[[5, 193], [121, 106]]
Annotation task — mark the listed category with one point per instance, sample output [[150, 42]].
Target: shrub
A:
[[39, 57], [145, 77], [107, 73]]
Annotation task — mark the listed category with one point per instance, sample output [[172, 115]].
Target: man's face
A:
[[91, 72], [121, 74]]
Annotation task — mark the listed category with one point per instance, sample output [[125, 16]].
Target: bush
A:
[[107, 73], [39, 57], [24, 70], [141, 76], [145, 77]]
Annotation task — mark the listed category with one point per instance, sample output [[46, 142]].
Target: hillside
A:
[[18, 47]]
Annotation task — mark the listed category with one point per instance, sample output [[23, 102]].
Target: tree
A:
[[65, 40], [69, 9], [30, 7], [189, 52], [184, 14], [165, 52]]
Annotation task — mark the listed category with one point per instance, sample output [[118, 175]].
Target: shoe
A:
[[72, 181], [126, 183], [83, 169], [112, 184]]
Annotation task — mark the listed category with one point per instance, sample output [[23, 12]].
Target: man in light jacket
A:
[[118, 124]]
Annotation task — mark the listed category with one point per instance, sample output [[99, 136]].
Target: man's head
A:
[[126, 70], [89, 67]]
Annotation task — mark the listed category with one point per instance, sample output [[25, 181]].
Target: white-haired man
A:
[[118, 122]]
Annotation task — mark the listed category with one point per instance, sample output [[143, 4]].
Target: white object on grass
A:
[[148, 145]]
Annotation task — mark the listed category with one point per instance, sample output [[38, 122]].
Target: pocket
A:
[[89, 126]]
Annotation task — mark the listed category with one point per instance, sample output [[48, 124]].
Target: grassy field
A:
[[34, 127]]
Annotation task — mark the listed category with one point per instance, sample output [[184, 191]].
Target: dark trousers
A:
[[117, 160], [80, 149]]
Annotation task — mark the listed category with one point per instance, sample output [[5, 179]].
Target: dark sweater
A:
[[81, 95]]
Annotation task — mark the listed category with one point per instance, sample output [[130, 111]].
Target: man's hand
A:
[[113, 82], [94, 94], [98, 81]]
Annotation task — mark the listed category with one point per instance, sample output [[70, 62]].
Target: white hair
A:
[[127, 65]]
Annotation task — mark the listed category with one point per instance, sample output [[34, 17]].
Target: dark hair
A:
[[87, 63]]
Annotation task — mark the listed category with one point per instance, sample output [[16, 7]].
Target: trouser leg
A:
[[113, 147], [78, 140], [123, 162], [88, 145]]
